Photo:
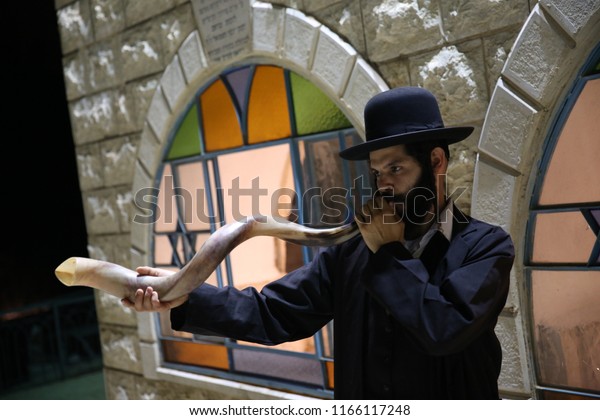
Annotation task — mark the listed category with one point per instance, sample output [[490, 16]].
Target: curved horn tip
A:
[[66, 271]]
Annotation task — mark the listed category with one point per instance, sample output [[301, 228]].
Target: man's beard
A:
[[418, 207]]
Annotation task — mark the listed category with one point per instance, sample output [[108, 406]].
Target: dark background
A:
[[41, 211]]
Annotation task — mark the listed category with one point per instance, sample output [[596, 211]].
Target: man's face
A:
[[400, 176]]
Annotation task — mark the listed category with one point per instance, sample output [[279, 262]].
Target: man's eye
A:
[[375, 174], [396, 169]]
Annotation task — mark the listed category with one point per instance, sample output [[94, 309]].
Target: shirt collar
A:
[[443, 224]]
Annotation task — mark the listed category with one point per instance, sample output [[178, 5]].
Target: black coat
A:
[[404, 328]]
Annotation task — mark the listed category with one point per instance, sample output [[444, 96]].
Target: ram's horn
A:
[[123, 282]]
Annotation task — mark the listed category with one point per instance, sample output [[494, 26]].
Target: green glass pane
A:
[[313, 110], [187, 138]]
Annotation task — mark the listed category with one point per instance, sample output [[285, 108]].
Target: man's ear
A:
[[439, 161]]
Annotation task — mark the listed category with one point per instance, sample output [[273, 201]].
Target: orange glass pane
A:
[[198, 354], [562, 237], [573, 172], [268, 114], [330, 382], [566, 317], [219, 119]]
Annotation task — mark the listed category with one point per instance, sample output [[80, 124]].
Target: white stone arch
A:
[[281, 36], [547, 57]]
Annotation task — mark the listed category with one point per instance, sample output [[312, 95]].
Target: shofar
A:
[[122, 282]]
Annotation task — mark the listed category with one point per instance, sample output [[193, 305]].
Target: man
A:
[[414, 298]]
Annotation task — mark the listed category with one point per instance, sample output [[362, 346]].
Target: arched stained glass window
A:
[[256, 139], [563, 257]]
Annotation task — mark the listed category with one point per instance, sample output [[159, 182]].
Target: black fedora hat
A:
[[403, 115]]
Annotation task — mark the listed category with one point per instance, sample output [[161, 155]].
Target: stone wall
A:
[[125, 68]]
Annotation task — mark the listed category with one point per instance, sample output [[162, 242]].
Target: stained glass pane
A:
[[313, 110], [278, 366], [562, 237], [199, 354], [193, 201], [163, 250], [187, 139], [250, 187], [219, 119], [239, 80], [166, 206], [573, 171], [268, 114], [567, 328], [325, 197]]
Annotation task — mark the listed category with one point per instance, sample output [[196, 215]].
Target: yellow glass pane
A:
[[573, 172], [219, 119], [268, 115], [563, 237], [566, 318]]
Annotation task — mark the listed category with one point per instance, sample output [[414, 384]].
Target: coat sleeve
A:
[[445, 316], [291, 308]]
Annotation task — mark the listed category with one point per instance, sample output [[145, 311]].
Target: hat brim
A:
[[448, 134]]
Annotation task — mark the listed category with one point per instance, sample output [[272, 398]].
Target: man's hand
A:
[[379, 224], [147, 300]]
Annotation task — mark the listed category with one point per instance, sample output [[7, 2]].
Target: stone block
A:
[[513, 377], [142, 214], [137, 98], [396, 72], [108, 17], [118, 160], [110, 310], [492, 195], [75, 75], [496, 49], [342, 17], [173, 28], [75, 25], [124, 206], [159, 115], [120, 348], [150, 151], [120, 385], [300, 38], [146, 323], [334, 61], [467, 18], [93, 117], [101, 212], [224, 26], [400, 28], [537, 58], [461, 169], [192, 57], [139, 10], [364, 83], [509, 125], [89, 167], [104, 64], [571, 15], [455, 75], [141, 52], [267, 28], [173, 83]]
